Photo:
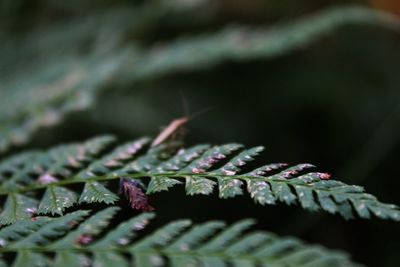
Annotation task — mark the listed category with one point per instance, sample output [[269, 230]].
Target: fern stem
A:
[[168, 253], [147, 175]]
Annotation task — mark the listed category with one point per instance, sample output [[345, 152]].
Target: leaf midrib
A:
[[170, 175], [152, 251]]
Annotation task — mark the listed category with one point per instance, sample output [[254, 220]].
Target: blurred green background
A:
[[334, 103]]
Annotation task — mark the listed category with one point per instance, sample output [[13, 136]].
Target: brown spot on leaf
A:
[[325, 176], [72, 223], [31, 211], [197, 170], [229, 172], [47, 179], [84, 239], [135, 195]]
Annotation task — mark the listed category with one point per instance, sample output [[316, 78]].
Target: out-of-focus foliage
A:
[[65, 65], [208, 244]]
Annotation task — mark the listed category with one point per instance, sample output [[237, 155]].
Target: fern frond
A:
[[244, 43], [57, 84], [72, 240], [200, 168]]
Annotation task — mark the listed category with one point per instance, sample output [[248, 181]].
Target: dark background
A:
[[334, 103]]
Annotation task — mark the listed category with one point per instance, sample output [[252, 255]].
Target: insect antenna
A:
[[200, 112], [185, 104], [186, 108]]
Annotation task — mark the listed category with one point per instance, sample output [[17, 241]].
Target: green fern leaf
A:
[[92, 226], [114, 159], [69, 258], [124, 232], [200, 168], [27, 258], [199, 185], [104, 259], [56, 199], [17, 207], [53, 229], [191, 239], [160, 183], [151, 160], [231, 187], [15, 164], [54, 242], [15, 232], [96, 192], [181, 159]]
